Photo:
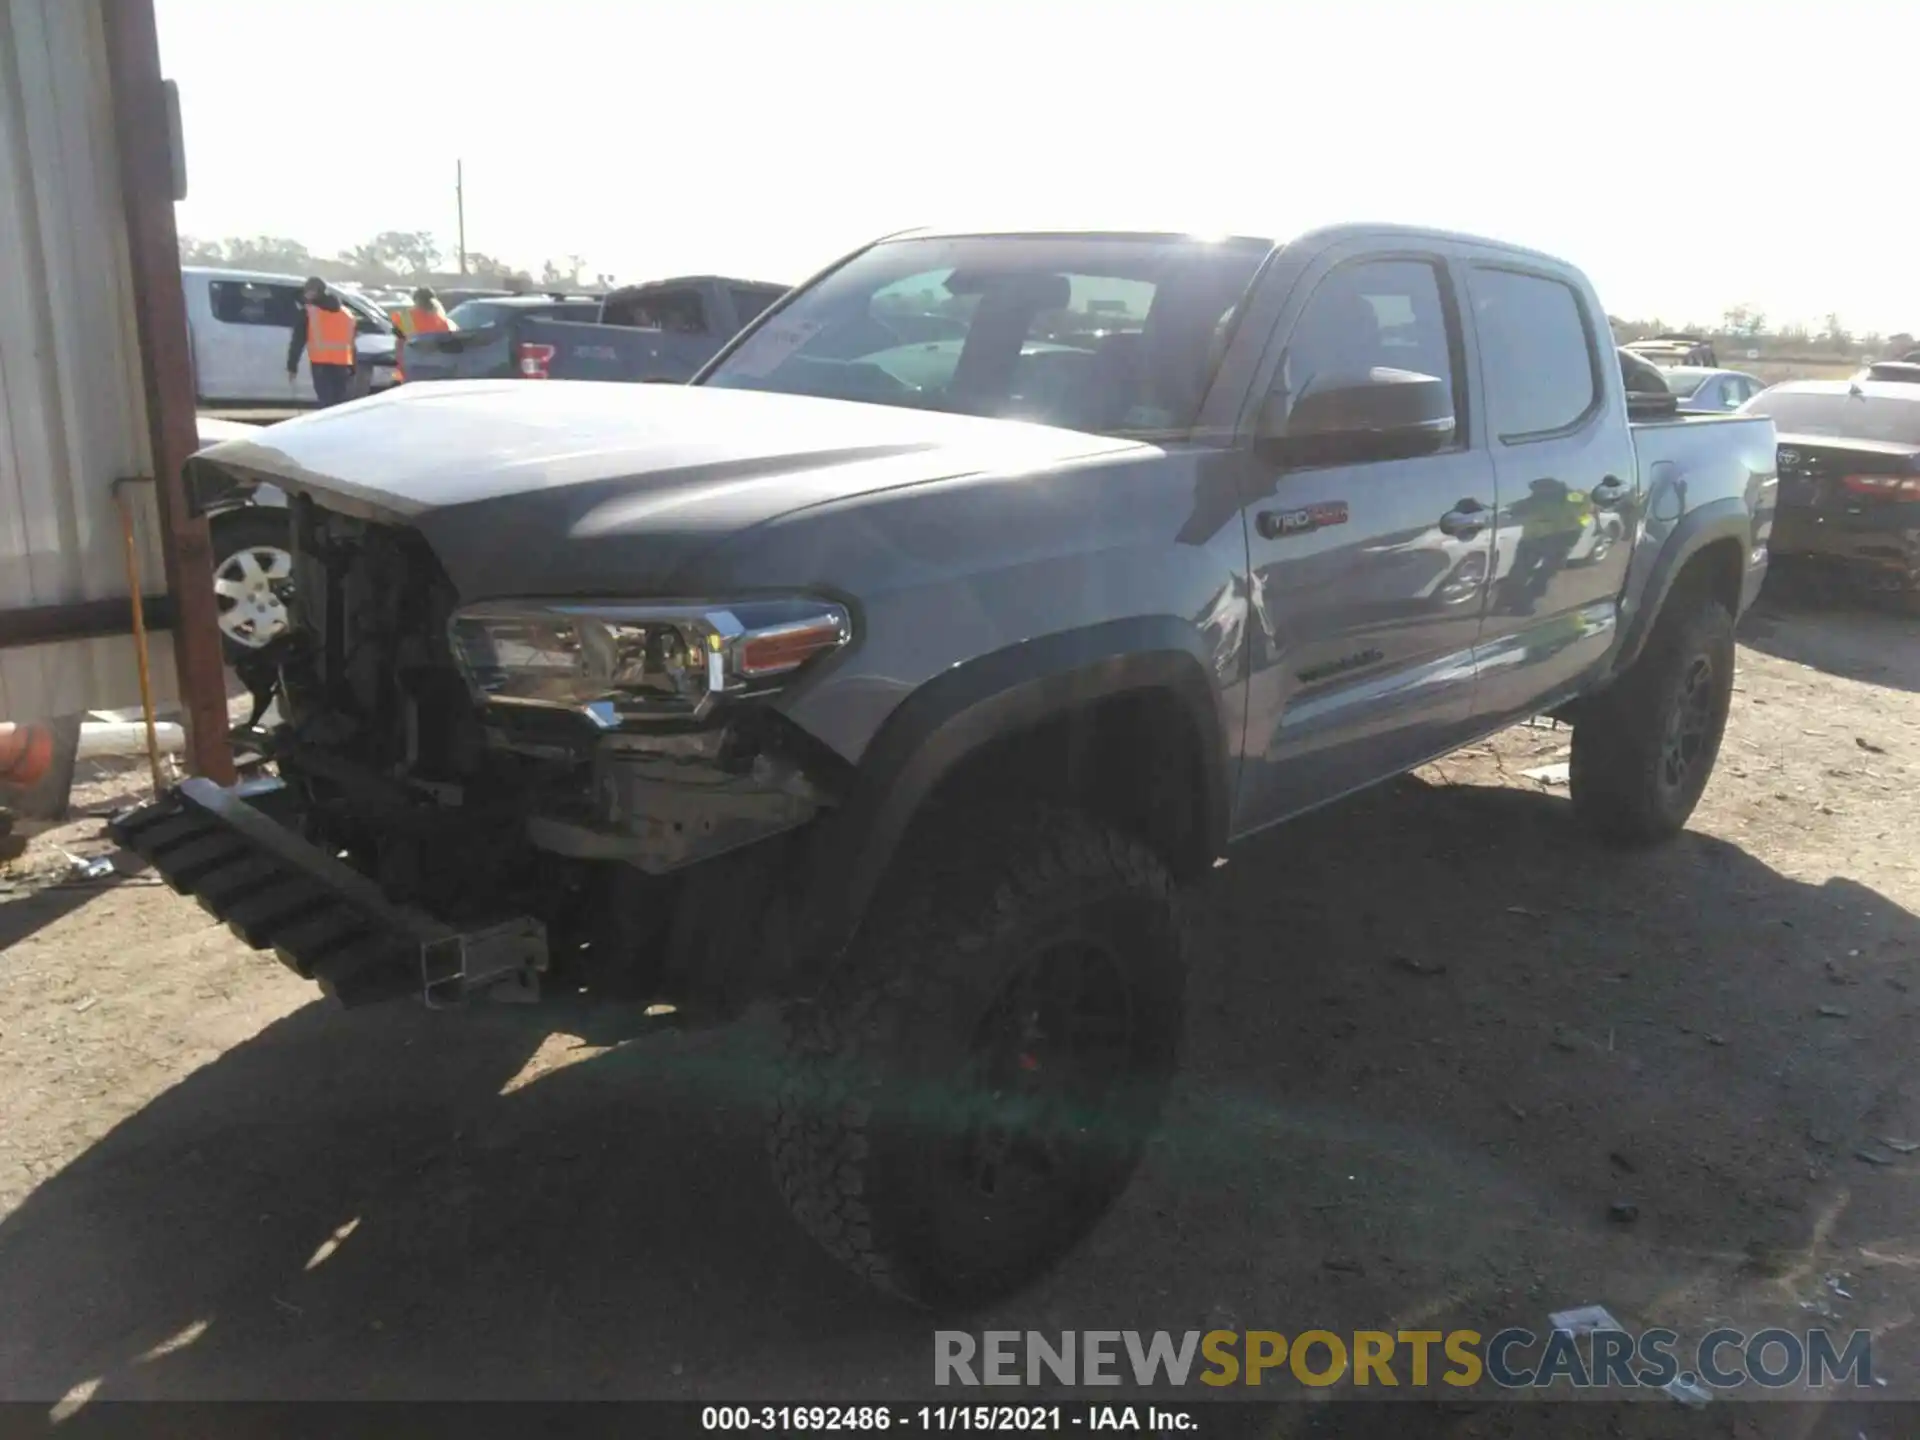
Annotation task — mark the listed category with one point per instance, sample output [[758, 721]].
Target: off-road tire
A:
[[1622, 775], [870, 1135]]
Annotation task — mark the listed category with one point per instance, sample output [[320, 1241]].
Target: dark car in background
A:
[[1849, 462], [1904, 372]]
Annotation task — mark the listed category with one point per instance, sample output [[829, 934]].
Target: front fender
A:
[[987, 699]]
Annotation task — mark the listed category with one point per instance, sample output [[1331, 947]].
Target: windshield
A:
[[1110, 334], [1842, 415], [366, 310], [1685, 383]]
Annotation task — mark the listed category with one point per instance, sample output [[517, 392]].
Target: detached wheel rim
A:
[[1689, 724], [1046, 1062], [250, 588]]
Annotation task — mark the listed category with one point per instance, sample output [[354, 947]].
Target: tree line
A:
[[1748, 325], [393, 257]]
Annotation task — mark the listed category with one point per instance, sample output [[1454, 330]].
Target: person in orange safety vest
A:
[[325, 329], [425, 318]]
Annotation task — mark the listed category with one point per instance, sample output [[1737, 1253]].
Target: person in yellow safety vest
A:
[[1549, 516], [425, 318], [325, 330]]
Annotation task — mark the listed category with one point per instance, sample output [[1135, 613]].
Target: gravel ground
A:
[[1435, 1035]]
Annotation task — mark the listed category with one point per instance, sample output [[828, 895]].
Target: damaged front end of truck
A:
[[509, 798]]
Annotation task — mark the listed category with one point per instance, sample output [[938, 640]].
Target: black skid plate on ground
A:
[[323, 919]]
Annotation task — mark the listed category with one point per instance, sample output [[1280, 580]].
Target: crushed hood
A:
[[529, 488]]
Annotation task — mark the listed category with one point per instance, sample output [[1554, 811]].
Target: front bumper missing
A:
[[321, 918]]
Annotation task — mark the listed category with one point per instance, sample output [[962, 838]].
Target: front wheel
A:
[[977, 1083], [252, 578], [1644, 749]]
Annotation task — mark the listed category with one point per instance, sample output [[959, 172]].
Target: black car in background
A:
[[1849, 500]]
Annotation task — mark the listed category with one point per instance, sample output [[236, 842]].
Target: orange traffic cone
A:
[[26, 753]]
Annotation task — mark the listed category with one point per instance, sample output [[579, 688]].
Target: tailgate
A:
[[480, 354], [321, 918], [584, 351]]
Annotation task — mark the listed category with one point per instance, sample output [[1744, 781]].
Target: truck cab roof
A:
[[1316, 238]]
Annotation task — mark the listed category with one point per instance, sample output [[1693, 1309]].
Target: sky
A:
[[1689, 156]]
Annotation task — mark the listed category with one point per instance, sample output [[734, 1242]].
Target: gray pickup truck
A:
[[908, 667], [664, 330]]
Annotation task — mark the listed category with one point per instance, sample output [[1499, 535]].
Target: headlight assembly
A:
[[615, 662]]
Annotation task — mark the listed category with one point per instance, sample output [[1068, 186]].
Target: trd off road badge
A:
[[1285, 524]]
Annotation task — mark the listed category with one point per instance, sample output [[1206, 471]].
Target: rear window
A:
[[1686, 383], [1536, 344], [748, 303], [253, 302], [1843, 416], [478, 314]]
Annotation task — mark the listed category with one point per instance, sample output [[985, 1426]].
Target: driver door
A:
[[1369, 576]]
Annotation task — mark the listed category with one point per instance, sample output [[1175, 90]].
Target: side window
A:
[[1536, 347], [1375, 314], [249, 302], [680, 311], [747, 304]]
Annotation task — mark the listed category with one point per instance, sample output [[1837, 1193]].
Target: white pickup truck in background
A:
[[239, 322]]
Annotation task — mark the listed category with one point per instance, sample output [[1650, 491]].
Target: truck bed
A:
[[1691, 464], [583, 351], [558, 350]]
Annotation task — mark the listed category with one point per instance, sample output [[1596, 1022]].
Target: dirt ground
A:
[[1434, 1036]]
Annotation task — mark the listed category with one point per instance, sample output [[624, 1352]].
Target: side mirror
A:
[[1381, 414]]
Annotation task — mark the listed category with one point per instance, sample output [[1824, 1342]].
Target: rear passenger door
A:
[[1567, 479], [1367, 579]]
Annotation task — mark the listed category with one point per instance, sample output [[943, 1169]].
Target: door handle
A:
[[1465, 520], [1609, 492]]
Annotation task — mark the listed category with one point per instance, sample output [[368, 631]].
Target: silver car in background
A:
[[1703, 391]]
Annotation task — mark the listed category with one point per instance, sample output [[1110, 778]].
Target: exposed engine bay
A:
[[652, 853]]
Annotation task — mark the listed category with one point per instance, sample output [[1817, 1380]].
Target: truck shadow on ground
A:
[[1433, 1035]]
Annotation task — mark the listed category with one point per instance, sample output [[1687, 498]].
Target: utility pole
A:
[[460, 204]]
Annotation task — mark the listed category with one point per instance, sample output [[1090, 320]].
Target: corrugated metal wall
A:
[[72, 406]]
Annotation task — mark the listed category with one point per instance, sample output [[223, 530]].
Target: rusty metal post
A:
[[143, 138]]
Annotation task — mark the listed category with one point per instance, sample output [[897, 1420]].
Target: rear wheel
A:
[[1644, 749], [977, 1083]]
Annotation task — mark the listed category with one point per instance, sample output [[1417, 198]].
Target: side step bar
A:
[[324, 920]]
